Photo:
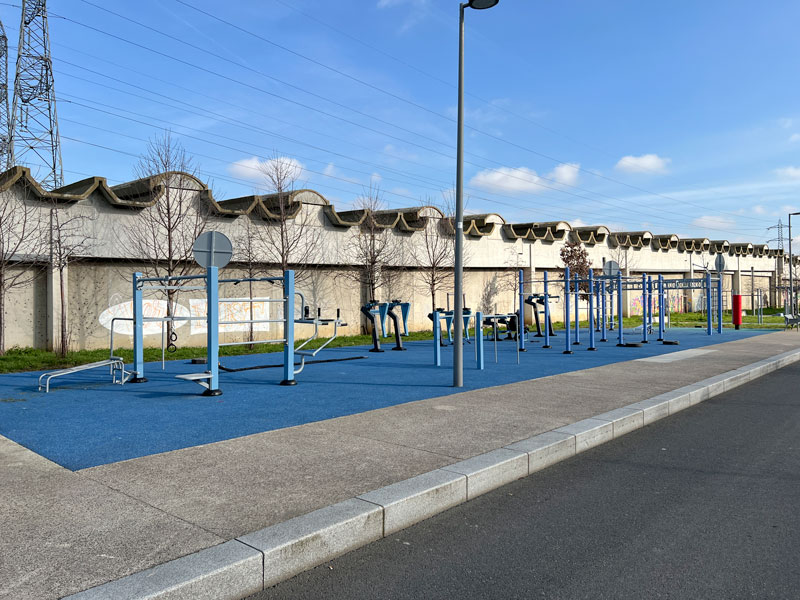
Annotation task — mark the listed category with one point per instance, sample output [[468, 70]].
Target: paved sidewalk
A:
[[67, 531]]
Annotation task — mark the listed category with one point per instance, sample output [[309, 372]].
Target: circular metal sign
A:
[[212, 249], [720, 263], [611, 268]]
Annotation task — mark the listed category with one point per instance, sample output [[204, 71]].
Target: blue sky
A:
[[677, 117]]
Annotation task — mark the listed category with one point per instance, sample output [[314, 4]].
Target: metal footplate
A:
[[197, 378]]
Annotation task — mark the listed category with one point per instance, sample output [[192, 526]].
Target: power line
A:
[[377, 88]]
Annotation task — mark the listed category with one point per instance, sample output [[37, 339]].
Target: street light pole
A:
[[458, 267]]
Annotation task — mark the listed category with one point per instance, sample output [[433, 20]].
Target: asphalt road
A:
[[703, 504]]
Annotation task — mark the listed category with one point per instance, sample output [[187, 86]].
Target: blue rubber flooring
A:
[[86, 421]]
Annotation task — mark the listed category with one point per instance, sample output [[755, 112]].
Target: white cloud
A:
[[795, 137], [713, 222], [255, 168], [577, 222], [759, 209], [524, 180], [646, 163], [566, 173], [788, 172]]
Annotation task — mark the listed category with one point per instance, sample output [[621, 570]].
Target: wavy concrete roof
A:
[[630, 239], [590, 235], [666, 242], [145, 192]]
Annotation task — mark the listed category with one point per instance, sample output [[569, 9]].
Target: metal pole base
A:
[[212, 393], [592, 349], [576, 343], [546, 347], [603, 340], [137, 380], [375, 350], [396, 348], [567, 352], [289, 382]]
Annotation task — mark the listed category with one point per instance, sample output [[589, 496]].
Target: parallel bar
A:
[[719, 304]]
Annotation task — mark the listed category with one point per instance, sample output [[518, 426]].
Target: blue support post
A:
[[709, 326], [592, 345], [661, 306], [212, 331], [138, 331], [567, 320], [621, 342], [644, 308], [437, 339], [479, 340], [546, 314], [650, 300], [288, 329], [719, 304], [521, 323], [577, 312], [603, 337]]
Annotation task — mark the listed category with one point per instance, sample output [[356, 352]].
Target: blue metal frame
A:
[[603, 337], [709, 325], [661, 305], [212, 330], [437, 339], [288, 328], [577, 341], [479, 340], [592, 345], [621, 341], [138, 331], [546, 313], [521, 323], [644, 308], [567, 320], [719, 304]]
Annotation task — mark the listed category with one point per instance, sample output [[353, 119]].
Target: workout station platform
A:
[[86, 420]]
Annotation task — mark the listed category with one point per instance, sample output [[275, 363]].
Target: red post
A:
[[737, 310]]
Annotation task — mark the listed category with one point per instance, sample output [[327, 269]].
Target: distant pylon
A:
[[34, 123], [5, 121]]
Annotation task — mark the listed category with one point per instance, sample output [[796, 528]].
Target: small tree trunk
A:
[[64, 345], [2, 312]]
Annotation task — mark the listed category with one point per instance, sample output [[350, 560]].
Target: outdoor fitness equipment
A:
[[377, 312], [447, 316], [209, 379], [437, 317]]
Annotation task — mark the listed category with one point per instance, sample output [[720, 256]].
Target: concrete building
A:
[[114, 232]]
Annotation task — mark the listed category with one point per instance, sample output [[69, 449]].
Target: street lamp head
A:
[[482, 4]]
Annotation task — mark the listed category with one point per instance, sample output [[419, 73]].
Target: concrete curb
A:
[[241, 567]]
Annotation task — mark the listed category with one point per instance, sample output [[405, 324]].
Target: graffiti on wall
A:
[[674, 301], [234, 314], [152, 309]]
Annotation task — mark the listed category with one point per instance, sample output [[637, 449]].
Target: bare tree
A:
[[70, 239], [21, 247], [247, 252], [372, 249], [289, 240], [166, 231], [434, 253], [624, 257]]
